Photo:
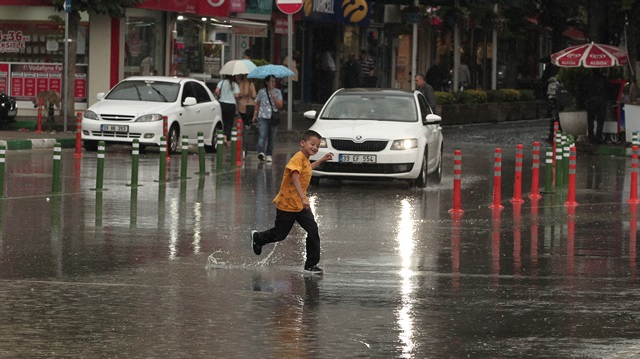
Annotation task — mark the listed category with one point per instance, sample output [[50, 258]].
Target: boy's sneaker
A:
[[261, 156], [269, 159], [257, 249], [313, 270]]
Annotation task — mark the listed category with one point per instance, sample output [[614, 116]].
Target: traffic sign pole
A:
[[289, 7]]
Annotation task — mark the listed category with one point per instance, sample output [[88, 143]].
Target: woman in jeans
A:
[[227, 91], [268, 101]]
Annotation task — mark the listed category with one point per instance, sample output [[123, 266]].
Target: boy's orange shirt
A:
[[287, 199]]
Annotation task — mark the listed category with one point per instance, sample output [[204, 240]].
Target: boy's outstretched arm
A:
[[324, 158]]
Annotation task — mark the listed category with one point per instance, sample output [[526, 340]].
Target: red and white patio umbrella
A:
[[590, 55]]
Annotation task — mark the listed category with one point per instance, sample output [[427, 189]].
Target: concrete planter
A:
[[574, 123], [488, 112]]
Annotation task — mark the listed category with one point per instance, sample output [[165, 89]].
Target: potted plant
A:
[[573, 118]]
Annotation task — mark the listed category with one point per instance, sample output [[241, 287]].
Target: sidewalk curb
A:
[[39, 143]]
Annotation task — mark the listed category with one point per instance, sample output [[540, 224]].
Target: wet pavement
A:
[[166, 271]]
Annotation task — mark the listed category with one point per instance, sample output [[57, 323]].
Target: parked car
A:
[[136, 107], [379, 133], [8, 108]]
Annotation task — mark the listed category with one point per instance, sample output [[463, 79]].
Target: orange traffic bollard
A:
[[78, 134]]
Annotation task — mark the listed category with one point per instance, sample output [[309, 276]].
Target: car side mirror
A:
[[311, 114], [432, 119], [190, 101], [100, 96]]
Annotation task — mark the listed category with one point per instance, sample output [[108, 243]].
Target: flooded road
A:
[[167, 271]]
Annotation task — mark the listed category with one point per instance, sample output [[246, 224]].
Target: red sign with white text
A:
[[26, 80]]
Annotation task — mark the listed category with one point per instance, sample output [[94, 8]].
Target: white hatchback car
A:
[[137, 106], [379, 133]]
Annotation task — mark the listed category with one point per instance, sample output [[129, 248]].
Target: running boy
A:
[[293, 205]]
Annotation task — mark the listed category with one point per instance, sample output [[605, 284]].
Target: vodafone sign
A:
[[289, 6]]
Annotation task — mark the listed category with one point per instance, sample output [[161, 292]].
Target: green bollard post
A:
[[100, 171], [185, 157], [234, 140], [2, 155], [559, 168], [162, 177], [219, 150], [57, 157], [201, 154], [548, 175], [135, 158]]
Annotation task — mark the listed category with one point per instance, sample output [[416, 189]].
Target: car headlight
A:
[[323, 143], [405, 144], [150, 118], [91, 115]]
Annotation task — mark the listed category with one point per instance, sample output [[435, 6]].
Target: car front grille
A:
[[108, 117], [366, 146], [365, 167], [116, 134]]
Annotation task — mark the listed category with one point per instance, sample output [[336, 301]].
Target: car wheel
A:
[[90, 145], [213, 148], [421, 181], [436, 176], [173, 139]]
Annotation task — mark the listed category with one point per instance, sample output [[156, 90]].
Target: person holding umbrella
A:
[[268, 102], [228, 92]]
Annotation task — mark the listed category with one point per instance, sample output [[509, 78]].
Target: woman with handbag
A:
[[268, 102]]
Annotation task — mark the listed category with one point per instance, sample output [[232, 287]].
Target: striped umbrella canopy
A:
[[590, 55]]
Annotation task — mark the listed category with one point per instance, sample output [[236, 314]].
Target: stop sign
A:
[[289, 6]]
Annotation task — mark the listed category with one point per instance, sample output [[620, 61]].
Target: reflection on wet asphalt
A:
[[168, 272]]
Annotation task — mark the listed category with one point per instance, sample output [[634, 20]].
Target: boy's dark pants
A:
[[284, 223]]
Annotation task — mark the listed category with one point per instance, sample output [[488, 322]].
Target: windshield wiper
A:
[[164, 99], [138, 92]]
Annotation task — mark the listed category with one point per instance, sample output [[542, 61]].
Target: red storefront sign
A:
[[196, 7], [26, 80]]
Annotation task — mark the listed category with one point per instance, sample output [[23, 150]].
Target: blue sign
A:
[[67, 6]]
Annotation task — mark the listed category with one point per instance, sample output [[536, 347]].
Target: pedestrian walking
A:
[[352, 74], [553, 105], [426, 89], [292, 204], [227, 92], [268, 101], [368, 69], [596, 89], [246, 104]]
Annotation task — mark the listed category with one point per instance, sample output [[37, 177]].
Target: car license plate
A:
[[114, 128], [357, 158]]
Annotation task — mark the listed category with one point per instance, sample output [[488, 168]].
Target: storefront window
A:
[[38, 41], [188, 46], [144, 45]]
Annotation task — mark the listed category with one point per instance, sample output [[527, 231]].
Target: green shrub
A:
[[510, 95], [573, 79], [445, 98], [527, 95], [471, 96]]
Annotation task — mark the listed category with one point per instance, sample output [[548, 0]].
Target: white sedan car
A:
[[137, 107], [379, 133]]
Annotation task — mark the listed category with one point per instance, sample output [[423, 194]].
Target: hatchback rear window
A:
[[150, 91], [371, 107]]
